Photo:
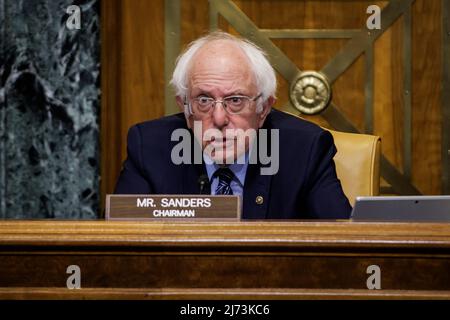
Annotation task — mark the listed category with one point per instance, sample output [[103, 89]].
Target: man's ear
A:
[[267, 106], [184, 108]]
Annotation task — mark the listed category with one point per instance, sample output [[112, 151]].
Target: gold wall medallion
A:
[[311, 92]]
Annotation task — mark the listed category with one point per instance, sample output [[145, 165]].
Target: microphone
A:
[[203, 182]]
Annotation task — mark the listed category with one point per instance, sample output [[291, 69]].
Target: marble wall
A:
[[49, 110]]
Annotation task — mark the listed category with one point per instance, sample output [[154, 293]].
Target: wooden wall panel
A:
[[111, 140], [348, 93], [427, 95], [313, 54], [388, 92], [194, 20], [132, 76], [142, 57], [290, 14]]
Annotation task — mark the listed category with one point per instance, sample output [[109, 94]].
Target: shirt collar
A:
[[239, 168]]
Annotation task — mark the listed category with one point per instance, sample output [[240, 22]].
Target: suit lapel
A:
[[257, 186], [256, 193], [192, 172]]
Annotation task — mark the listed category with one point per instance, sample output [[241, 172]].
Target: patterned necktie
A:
[[225, 176]]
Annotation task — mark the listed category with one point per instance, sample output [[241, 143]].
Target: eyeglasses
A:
[[203, 105]]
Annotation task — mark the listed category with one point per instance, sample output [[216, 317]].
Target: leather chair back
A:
[[357, 163]]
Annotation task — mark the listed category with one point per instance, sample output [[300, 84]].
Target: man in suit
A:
[[226, 87]]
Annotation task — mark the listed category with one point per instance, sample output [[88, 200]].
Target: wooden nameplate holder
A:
[[172, 207]]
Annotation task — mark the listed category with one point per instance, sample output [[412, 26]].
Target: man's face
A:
[[219, 70]]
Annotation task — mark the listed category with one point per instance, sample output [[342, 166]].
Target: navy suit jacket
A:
[[305, 186]]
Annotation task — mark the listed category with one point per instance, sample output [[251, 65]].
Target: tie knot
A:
[[224, 174]]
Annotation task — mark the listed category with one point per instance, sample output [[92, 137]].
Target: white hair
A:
[[264, 74]]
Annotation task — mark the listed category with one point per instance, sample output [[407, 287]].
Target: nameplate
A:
[[171, 207]]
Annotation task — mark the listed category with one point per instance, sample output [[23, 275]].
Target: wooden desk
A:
[[246, 260]]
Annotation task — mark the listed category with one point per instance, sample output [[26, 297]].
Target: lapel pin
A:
[[259, 200]]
